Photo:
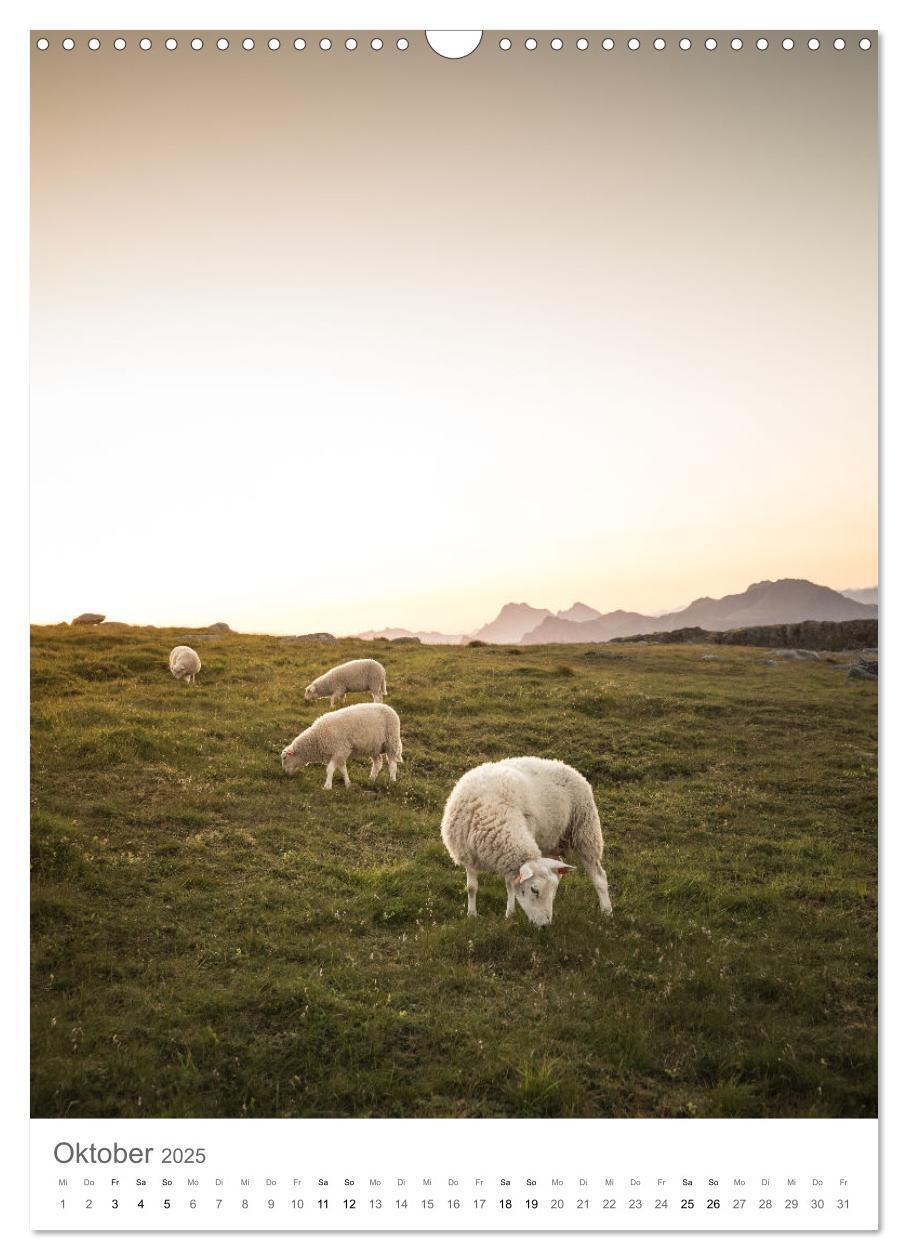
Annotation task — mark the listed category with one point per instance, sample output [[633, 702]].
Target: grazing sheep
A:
[[519, 817], [185, 663], [361, 730], [365, 675]]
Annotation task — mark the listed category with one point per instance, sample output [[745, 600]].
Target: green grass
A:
[[211, 938]]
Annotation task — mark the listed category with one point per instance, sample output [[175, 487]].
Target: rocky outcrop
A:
[[818, 636], [866, 668], [806, 636], [320, 636], [88, 619]]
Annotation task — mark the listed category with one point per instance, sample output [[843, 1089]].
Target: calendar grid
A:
[[366, 1175]]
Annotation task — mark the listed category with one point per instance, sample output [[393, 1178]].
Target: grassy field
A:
[[211, 938]]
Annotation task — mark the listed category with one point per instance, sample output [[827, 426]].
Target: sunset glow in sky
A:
[[336, 341]]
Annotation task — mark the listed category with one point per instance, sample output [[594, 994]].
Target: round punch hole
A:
[[145, 44], [377, 43], [633, 43], [608, 44], [711, 43], [324, 44], [813, 44], [196, 43], [659, 43], [403, 44], [865, 43], [737, 44], [762, 44], [42, 44], [504, 44], [530, 44], [274, 44], [583, 44], [788, 44], [684, 43], [350, 44], [170, 44], [299, 43], [557, 44], [248, 43], [69, 44], [838, 43], [120, 43], [94, 43]]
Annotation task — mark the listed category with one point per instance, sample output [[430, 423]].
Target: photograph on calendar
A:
[[453, 576]]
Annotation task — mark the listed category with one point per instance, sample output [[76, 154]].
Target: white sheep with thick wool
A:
[[521, 818], [363, 675], [185, 663], [360, 730]]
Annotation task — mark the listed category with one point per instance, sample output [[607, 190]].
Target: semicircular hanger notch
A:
[[453, 44]]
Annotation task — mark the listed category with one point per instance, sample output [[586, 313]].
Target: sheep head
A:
[[535, 885]]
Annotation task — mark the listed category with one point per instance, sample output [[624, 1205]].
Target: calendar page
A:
[[454, 651]]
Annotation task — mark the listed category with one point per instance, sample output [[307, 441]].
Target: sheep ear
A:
[[557, 867], [525, 872]]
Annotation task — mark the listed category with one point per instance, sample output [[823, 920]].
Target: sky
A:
[[335, 340]]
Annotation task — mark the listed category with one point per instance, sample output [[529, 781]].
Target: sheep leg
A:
[[392, 768], [343, 769], [472, 885], [329, 778], [509, 912], [600, 883], [376, 697], [376, 768]]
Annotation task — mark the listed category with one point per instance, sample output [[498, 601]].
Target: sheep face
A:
[[310, 693], [291, 761], [535, 885]]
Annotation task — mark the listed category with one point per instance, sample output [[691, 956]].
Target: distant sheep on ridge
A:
[[364, 675], [185, 663]]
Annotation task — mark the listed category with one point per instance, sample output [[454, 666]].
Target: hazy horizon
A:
[[346, 340], [381, 623]]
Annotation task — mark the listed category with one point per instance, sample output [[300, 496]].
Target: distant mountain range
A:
[[863, 594], [513, 622], [424, 636], [763, 603], [579, 612]]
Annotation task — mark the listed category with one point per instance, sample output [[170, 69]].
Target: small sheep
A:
[[365, 675], [361, 730], [185, 663], [519, 817]]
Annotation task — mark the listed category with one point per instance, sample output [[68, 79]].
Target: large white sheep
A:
[[185, 663], [519, 818], [360, 730], [364, 675]]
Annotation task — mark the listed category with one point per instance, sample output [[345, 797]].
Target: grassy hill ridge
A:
[[213, 939]]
